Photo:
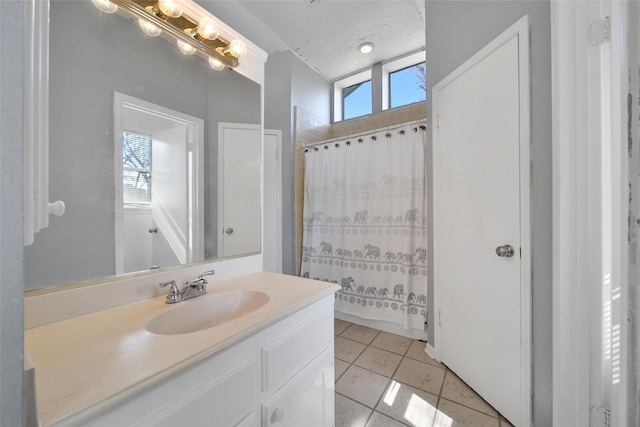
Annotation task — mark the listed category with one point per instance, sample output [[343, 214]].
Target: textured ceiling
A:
[[326, 34]]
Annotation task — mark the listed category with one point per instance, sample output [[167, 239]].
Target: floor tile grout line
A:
[[404, 356], [462, 404]]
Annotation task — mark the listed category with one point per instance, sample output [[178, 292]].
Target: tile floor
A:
[[386, 380]]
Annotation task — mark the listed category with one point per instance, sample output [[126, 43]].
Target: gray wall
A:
[[92, 55], [455, 31], [289, 82], [11, 255]]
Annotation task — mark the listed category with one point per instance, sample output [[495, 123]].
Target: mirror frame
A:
[[36, 125]]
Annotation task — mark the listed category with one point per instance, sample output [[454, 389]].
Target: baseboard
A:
[[431, 352], [392, 328]]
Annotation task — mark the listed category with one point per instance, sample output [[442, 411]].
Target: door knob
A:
[[153, 230], [506, 251], [278, 414], [229, 230]]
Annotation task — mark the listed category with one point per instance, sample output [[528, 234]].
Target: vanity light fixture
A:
[[186, 48], [194, 34], [215, 64], [148, 28], [105, 5], [366, 47]]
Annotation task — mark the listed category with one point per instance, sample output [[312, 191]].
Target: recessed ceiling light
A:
[[365, 47]]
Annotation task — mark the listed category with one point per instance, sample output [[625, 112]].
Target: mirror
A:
[[93, 56]]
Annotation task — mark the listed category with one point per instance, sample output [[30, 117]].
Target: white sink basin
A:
[[206, 312]]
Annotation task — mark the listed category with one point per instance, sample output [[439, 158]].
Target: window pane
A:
[[408, 85], [136, 169], [136, 187], [356, 100], [136, 151]]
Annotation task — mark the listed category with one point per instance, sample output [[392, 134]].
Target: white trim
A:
[[589, 173], [519, 30], [619, 168], [195, 239], [431, 352], [36, 119], [277, 245]]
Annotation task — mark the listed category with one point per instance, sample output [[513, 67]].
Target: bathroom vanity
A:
[[269, 366]]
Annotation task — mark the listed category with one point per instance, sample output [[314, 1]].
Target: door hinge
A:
[[600, 417], [439, 317], [438, 121], [190, 147], [600, 32]]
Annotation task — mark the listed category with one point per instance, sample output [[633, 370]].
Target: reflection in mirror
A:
[[159, 186], [93, 55]]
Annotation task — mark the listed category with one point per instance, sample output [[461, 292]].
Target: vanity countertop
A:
[[88, 365]]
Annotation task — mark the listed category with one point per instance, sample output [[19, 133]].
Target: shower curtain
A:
[[365, 223]]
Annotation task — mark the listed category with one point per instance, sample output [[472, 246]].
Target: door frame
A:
[[268, 245], [590, 208], [521, 30], [195, 128]]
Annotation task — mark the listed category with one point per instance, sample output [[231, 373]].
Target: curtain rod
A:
[[355, 135]]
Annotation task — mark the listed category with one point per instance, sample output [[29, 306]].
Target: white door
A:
[[481, 207], [240, 215]]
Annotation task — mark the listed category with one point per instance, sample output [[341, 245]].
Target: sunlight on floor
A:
[[391, 394], [420, 411], [442, 420]]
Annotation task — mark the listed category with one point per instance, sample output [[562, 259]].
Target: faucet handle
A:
[[174, 296], [174, 287], [206, 273]]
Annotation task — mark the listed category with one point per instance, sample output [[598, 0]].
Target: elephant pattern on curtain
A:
[[365, 224]]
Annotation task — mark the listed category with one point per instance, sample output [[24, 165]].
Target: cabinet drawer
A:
[[294, 350]]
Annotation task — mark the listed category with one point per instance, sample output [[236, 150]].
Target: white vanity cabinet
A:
[[281, 376]]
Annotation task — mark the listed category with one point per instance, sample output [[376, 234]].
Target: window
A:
[[136, 169], [356, 100], [352, 96], [395, 83], [407, 85]]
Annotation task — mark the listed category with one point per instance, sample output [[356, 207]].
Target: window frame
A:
[[397, 65]]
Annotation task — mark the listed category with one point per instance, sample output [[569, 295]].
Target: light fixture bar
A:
[[176, 28]]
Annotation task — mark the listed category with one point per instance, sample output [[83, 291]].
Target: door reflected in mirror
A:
[[160, 205]]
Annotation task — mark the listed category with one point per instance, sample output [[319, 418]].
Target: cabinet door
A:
[[212, 394], [306, 400]]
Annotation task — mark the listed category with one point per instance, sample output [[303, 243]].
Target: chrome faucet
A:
[[192, 289]]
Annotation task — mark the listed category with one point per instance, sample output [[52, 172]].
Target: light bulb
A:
[[186, 48], [171, 8], [216, 64], [105, 5], [149, 29], [207, 29], [237, 48]]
